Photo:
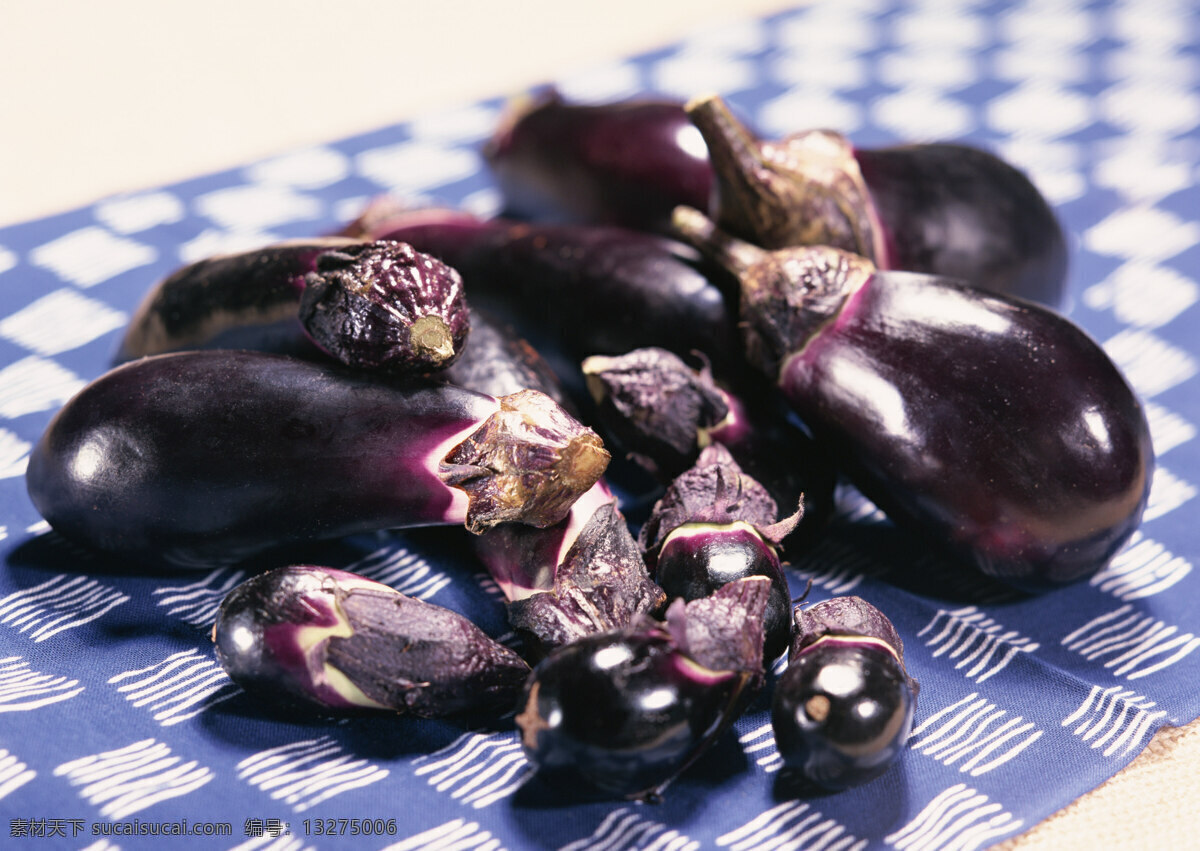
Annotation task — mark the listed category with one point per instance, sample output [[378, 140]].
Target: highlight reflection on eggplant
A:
[[996, 427], [317, 637], [203, 458], [715, 525], [843, 709], [365, 304], [628, 711]]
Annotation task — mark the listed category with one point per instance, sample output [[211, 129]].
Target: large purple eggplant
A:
[[945, 209], [993, 425], [202, 458], [366, 304], [628, 163], [583, 290], [314, 637]]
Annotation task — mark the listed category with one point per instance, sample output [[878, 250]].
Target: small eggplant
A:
[[582, 290], [628, 711], [663, 412], [627, 163], [366, 304], [843, 709], [584, 574], [993, 425], [715, 525], [202, 458], [316, 637]]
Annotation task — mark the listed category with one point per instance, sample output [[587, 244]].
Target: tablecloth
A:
[[118, 723]]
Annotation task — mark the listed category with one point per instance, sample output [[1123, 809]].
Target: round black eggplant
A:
[[202, 458], [842, 711], [992, 425]]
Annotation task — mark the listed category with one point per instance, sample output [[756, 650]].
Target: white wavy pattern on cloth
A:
[[477, 768], [958, 819], [127, 780], [973, 640], [1138, 644], [977, 732], [306, 773], [60, 603], [177, 688], [626, 830], [23, 689], [791, 826]]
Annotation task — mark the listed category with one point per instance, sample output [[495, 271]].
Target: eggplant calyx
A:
[[847, 619], [806, 189], [526, 463], [602, 584], [787, 295]]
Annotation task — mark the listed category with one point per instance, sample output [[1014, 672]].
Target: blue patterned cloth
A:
[[115, 716]]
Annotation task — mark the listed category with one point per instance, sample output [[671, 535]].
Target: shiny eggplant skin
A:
[[994, 426], [205, 458], [625, 163], [581, 289], [998, 427]]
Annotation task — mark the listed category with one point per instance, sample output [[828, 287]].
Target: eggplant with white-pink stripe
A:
[[203, 458], [315, 637]]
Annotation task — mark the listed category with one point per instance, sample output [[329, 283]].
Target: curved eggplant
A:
[[314, 637], [203, 458], [366, 304], [628, 163], [628, 711], [995, 426]]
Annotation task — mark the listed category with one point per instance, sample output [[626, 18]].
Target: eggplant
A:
[[627, 163], [944, 209], [843, 709], [584, 574], [316, 638], [661, 413], [576, 291], [715, 525], [994, 426], [625, 712], [366, 304], [206, 458]]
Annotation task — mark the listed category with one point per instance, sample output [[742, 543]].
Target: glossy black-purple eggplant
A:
[[625, 163], [994, 426], [583, 290], [315, 637], [843, 708], [627, 711], [715, 525], [661, 412], [366, 304], [584, 574], [202, 458]]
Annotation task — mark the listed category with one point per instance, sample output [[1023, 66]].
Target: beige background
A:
[[113, 96]]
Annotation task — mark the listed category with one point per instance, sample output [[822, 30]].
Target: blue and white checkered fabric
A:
[[113, 709]]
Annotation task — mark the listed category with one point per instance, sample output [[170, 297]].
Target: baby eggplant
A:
[[629, 710], [716, 525], [203, 458], [578, 290], [626, 163], [366, 304], [663, 412], [843, 708], [993, 425], [320, 638]]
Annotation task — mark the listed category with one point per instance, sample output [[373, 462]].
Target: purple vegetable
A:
[[627, 163], [315, 637], [627, 711], [843, 708], [993, 425], [202, 458], [715, 525], [582, 290], [662, 412], [366, 304], [947, 210], [584, 574]]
